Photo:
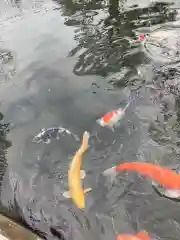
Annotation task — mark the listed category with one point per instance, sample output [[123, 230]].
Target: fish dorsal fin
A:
[[143, 235]]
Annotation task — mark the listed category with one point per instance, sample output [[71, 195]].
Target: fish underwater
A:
[[75, 174], [166, 177], [141, 36], [47, 134], [138, 236], [112, 118]]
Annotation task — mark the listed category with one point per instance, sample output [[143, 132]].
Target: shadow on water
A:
[[4, 145], [68, 65]]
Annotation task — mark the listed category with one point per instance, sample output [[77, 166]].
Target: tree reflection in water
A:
[[105, 47], [104, 34], [4, 145]]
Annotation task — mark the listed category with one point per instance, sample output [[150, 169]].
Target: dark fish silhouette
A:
[[47, 134]]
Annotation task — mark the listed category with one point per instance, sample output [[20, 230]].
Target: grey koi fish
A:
[[47, 134]]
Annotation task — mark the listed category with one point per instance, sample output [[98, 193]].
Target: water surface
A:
[[65, 63]]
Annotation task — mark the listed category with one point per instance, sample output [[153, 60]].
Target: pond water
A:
[[64, 63]]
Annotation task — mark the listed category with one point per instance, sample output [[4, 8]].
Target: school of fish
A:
[[166, 177]]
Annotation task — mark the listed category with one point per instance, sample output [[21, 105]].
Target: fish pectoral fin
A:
[[112, 129], [118, 124], [82, 174], [67, 194], [172, 193], [87, 190]]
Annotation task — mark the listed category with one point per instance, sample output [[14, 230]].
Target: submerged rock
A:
[[164, 45], [9, 230]]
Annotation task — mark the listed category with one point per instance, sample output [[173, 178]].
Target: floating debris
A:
[[47, 134]]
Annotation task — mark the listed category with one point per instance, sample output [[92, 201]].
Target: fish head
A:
[[101, 122], [39, 136], [85, 141]]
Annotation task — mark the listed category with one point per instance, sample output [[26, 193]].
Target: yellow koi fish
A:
[[75, 174]]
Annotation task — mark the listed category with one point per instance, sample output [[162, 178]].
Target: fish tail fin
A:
[[143, 235], [86, 135], [127, 105], [110, 171]]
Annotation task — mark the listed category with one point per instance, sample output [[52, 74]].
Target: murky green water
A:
[[65, 63]]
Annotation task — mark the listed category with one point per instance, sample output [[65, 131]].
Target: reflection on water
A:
[[66, 63], [7, 65], [4, 145]]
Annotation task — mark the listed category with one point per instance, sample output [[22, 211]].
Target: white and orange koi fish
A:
[[112, 118]]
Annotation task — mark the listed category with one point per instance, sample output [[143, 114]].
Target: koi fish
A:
[[141, 36], [164, 176], [75, 175], [137, 236], [112, 119], [46, 135]]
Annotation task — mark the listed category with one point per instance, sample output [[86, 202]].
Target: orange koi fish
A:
[[164, 176], [137, 236], [112, 119], [75, 174]]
